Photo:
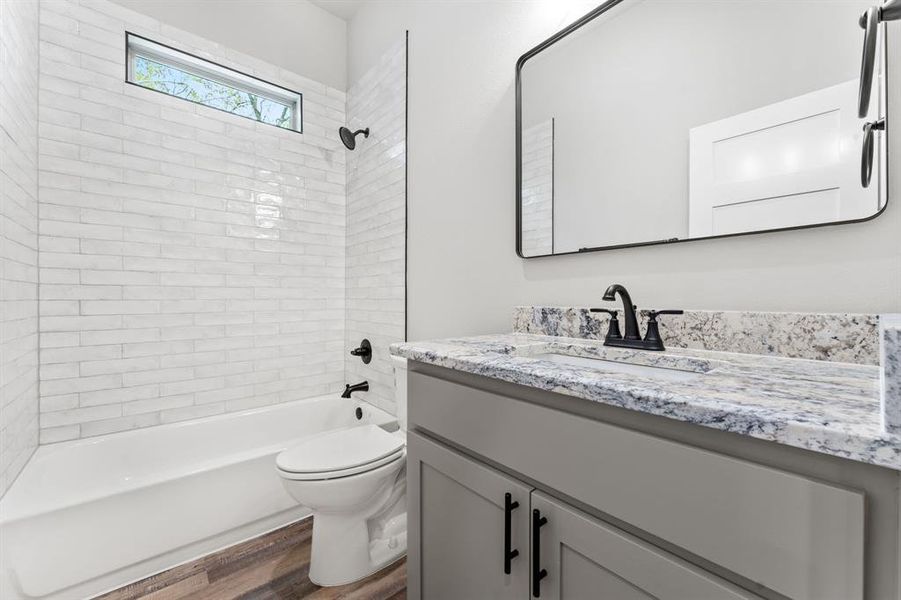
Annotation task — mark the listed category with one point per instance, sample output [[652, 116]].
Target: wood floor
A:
[[270, 567]]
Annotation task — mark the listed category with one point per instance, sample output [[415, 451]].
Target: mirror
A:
[[659, 121]]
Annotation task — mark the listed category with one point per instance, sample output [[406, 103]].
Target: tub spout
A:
[[363, 386]]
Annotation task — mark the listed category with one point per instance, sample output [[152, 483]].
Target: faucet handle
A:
[[652, 337], [613, 332], [652, 314]]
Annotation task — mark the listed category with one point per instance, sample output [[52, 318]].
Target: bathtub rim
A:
[[16, 506]]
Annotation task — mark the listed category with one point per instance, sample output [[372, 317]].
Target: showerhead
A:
[[349, 139]]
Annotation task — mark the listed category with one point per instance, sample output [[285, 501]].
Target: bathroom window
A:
[[170, 71]]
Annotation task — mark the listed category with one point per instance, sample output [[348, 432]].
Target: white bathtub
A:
[[88, 516]]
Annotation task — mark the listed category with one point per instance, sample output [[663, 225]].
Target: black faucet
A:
[[632, 337], [628, 310], [363, 386]]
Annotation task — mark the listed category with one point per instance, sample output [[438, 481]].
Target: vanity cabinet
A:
[[630, 513], [460, 539], [475, 541]]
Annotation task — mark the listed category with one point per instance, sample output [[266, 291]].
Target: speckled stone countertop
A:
[[827, 407]]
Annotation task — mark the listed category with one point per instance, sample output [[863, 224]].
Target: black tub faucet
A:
[[363, 386]]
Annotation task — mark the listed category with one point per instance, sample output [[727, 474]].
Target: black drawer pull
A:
[[509, 553], [537, 572]]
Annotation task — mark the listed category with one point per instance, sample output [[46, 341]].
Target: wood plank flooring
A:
[[271, 567]]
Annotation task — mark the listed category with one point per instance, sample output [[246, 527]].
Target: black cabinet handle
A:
[[509, 554], [537, 572]]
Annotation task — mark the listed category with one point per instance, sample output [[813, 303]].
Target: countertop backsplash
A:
[[835, 337], [890, 388]]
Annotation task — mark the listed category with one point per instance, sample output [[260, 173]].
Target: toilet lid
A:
[[340, 450]]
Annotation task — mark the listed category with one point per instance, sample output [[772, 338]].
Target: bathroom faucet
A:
[[628, 310], [363, 386], [632, 337]]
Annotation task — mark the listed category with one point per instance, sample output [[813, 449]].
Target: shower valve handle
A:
[[364, 351]]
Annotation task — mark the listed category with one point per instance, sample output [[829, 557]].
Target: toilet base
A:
[[359, 521], [344, 551]]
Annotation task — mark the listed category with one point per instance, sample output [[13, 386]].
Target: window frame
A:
[[140, 46]]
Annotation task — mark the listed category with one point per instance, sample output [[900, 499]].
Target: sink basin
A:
[[654, 372]]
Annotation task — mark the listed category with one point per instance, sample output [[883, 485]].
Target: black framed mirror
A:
[[663, 121]]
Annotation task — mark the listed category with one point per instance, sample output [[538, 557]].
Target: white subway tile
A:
[[80, 353], [125, 365], [119, 307], [158, 404], [79, 415], [175, 415], [92, 427], [118, 395], [169, 350], [192, 261], [19, 84], [51, 435]]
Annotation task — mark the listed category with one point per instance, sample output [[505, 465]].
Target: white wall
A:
[[18, 237], [295, 35], [376, 207], [192, 261], [464, 276]]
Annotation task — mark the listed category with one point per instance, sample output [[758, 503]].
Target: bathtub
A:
[[91, 515]]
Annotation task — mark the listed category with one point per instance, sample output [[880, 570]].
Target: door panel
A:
[[457, 517], [792, 163], [585, 558], [585, 578]]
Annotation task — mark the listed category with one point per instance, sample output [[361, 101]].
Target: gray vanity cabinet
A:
[[457, 537], [635, 505], [458, 514], [585, 558]]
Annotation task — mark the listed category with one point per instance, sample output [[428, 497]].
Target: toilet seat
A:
[[341, 453]]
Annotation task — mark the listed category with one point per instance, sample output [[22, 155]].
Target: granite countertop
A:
[[827, 407]]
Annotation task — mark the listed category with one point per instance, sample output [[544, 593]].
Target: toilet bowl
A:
[[354, 482]]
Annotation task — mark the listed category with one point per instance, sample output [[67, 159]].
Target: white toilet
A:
[[354, 481]]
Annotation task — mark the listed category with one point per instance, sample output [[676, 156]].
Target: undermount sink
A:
[[656, 372]]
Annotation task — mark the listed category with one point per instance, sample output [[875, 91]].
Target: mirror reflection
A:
[[667, 120]]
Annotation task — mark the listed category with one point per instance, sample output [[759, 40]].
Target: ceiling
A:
[[344, 9]]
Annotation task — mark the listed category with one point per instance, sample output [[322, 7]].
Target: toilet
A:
[[354, 481]]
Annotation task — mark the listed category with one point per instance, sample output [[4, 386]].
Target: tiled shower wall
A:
[[376, 218], [18, 237], [192, 262]]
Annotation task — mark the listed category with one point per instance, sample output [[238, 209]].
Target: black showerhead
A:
[[349, 138]]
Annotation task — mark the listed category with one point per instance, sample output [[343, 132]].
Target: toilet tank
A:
[[400, 389]]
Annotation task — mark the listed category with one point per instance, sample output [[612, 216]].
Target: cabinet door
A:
[[457, 517], [575, 557]]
